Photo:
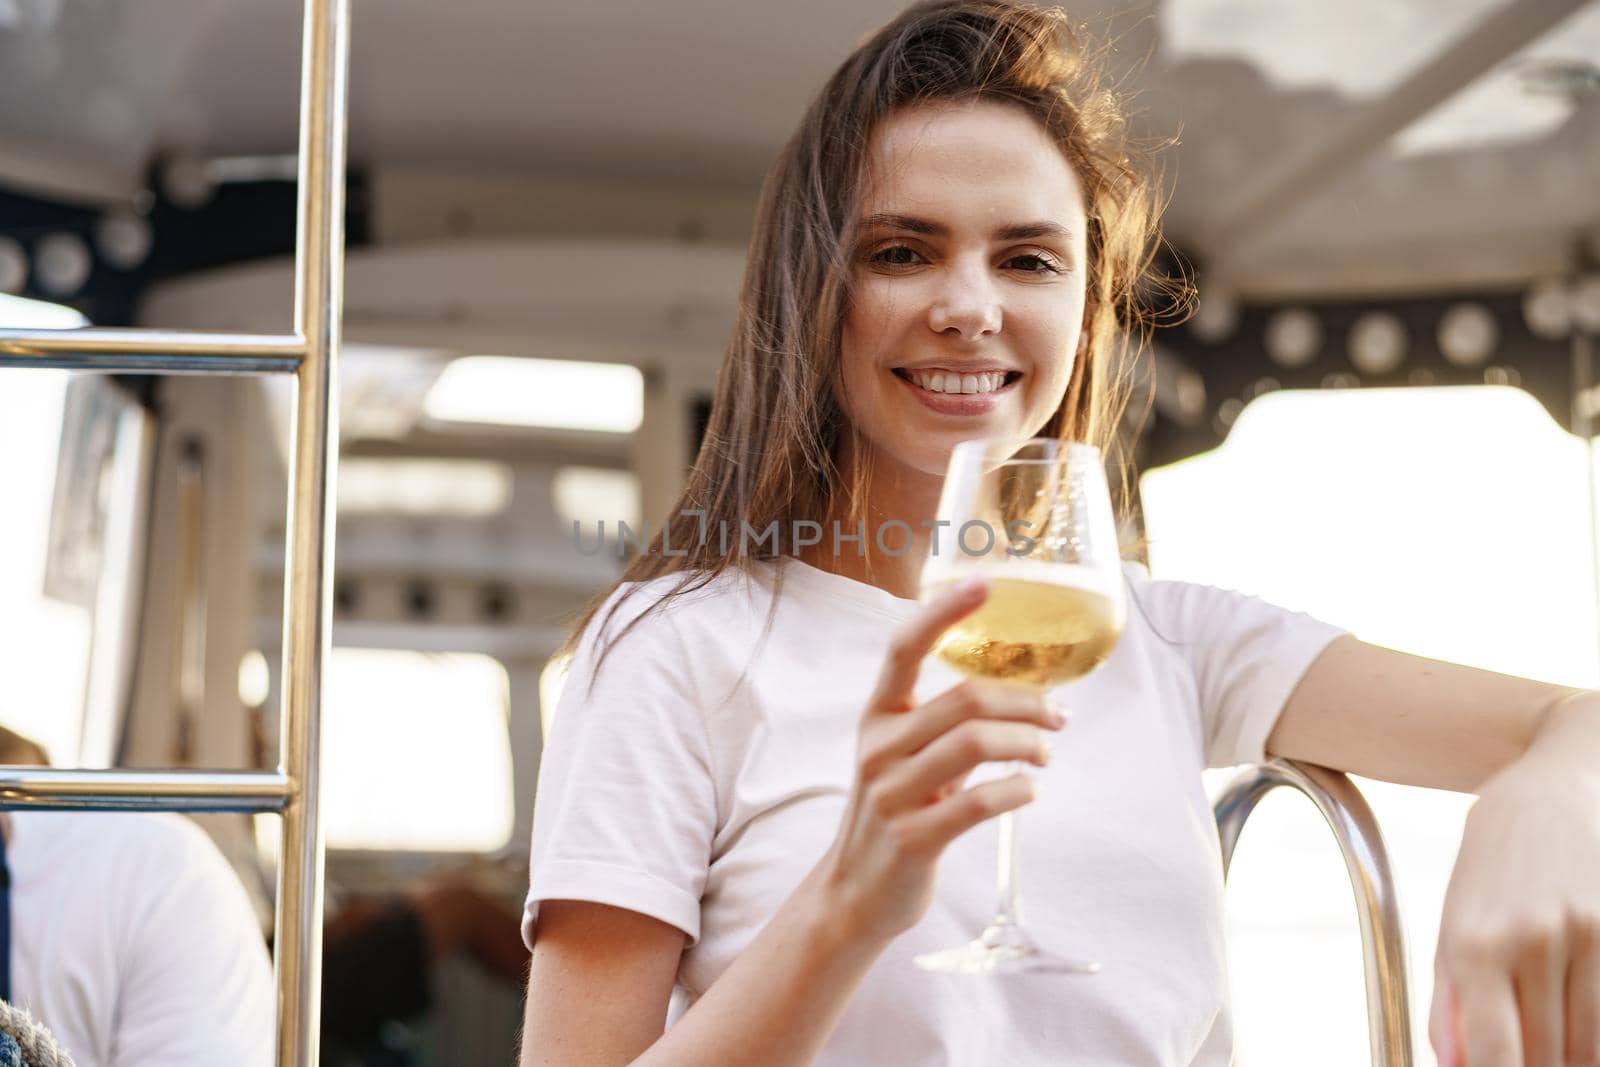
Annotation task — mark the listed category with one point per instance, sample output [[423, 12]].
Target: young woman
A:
[[753, 811]]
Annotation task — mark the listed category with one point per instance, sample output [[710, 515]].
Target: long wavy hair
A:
[[772, 446]]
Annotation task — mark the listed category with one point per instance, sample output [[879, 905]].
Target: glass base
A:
[[1003, 948]]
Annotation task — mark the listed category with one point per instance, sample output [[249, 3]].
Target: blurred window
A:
[[416, 751], [592, 495], [544, 393], [471, 488], [45, 641]]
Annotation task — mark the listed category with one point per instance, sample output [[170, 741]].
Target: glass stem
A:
[[1009, 909]]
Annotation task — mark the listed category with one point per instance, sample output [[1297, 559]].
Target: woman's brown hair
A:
[[770, 451]]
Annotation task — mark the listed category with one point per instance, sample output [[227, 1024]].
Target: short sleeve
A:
[[625, 809], [1246, 655]]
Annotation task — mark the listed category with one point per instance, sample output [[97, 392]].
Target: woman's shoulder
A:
[[702, 603]]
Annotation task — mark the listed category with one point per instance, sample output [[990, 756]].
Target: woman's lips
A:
[[959, 403]]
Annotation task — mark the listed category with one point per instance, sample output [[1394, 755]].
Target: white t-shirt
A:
[[674, 791], [133, 941]]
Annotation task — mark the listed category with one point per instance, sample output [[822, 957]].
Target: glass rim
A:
[[1055, 449]]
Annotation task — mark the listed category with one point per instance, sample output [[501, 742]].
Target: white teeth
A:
[[941, 382]]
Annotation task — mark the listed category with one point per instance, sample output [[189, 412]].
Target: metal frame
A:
[[1366, 859], [310, 354], [154, 351]]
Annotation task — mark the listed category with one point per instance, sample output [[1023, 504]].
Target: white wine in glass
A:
[[1035, 519]]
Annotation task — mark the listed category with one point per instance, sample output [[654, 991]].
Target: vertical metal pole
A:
[[319, 287]]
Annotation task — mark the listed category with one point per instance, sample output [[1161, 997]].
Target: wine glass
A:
[[1035, 519]]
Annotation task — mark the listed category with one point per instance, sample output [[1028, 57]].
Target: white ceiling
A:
[[704, 91]]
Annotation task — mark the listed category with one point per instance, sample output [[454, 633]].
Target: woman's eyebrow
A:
[[1024, 231]]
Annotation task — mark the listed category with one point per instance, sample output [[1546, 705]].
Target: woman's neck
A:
[[897, 495]]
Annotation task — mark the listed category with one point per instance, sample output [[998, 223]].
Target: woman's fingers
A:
[[916, 639], [938, 824], [1583, 992], [1490, 1033], [1444, 1024], [1539, 976], [967, 701], [1527, 998], [916, 781]]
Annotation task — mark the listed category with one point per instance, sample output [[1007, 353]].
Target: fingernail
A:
[[973, 586], [1047, 751], [1057, 716]]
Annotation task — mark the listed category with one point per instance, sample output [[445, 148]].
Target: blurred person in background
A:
[[130, 937], [380, 954], [752, 779]]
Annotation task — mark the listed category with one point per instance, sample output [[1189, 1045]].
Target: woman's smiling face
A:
[[968, 282]]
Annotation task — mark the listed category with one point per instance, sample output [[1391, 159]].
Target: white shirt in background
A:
[[135, 944]]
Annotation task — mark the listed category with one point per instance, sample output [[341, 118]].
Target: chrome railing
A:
[[1365, 858], [308, 352]]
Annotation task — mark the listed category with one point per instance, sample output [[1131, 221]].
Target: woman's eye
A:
[[1034, 264], [896, 256]]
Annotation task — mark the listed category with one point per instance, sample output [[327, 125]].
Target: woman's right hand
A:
[[907, 803]]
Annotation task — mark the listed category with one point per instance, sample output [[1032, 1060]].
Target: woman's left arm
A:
[[1518, 963]]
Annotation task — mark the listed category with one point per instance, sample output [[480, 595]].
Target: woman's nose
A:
[[966, 306]]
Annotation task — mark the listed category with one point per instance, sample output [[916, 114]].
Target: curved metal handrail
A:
[[1367, 861]]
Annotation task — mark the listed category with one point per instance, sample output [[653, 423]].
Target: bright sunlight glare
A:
[[1451, 523], [416, 751]]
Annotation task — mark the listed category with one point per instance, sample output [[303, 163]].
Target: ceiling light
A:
[[186, 181], [1377, 343], [1227, 414], [255, 679], [62, 264], [124, 239], [1548, 310], [1216, 315], [1468, 335], [546, 393], [1294, 337]]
